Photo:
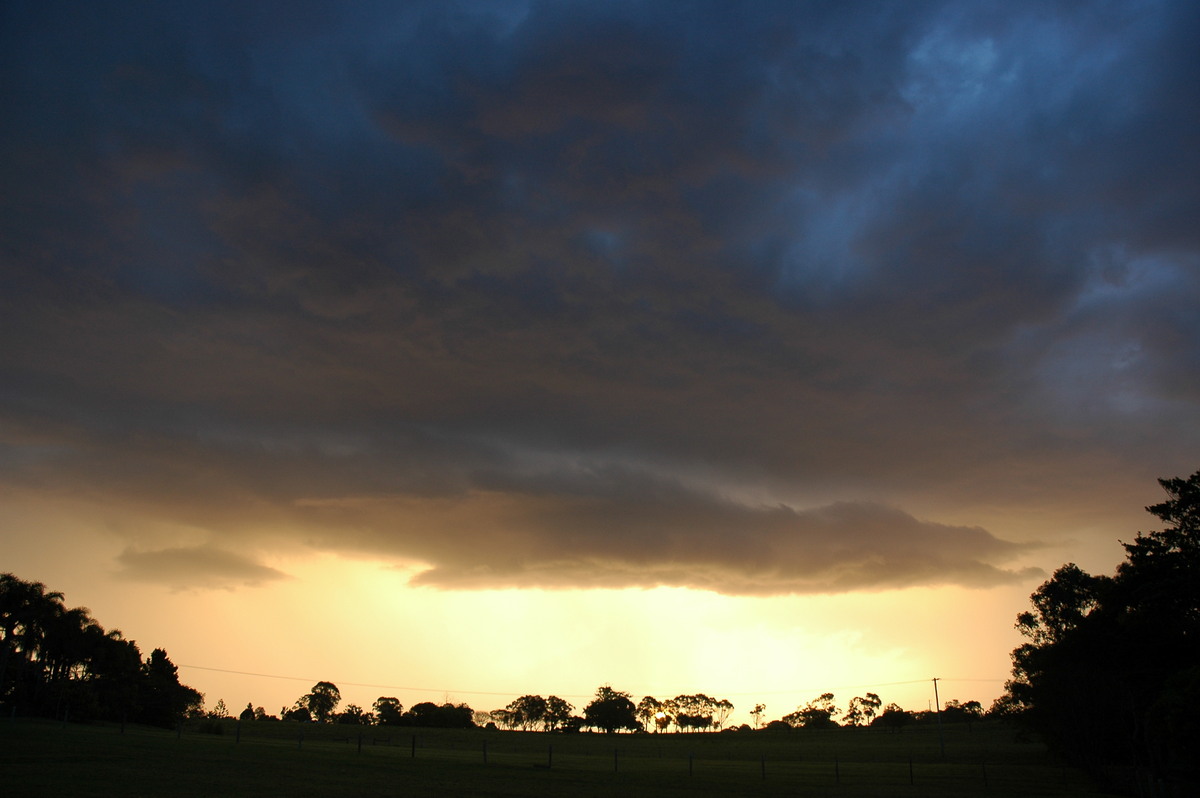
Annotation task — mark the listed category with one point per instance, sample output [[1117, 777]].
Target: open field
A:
[[41, 758]]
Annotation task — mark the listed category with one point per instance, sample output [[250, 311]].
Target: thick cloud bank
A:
[[547, 294]]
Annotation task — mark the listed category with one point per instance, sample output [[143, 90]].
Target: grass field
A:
[[40, 758]]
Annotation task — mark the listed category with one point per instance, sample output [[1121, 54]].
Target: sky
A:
[[464, 350]]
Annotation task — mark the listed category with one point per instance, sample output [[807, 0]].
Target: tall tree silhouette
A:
[[648, 711], [816, 714], [322, 700], [1111, 663], [164, 700], [558, 712], [862, 709], [528, 712], [388, 710], [60, 662], [611, 710]]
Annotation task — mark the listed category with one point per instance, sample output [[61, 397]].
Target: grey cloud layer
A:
[[339, 272], [194, 566]]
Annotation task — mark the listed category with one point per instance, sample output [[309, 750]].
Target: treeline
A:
[[61, 663], [610, 710], [868, 711]]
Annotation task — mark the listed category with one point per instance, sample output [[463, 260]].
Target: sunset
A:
[[462, 351]]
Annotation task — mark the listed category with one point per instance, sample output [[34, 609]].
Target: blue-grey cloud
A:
[[257, 263]]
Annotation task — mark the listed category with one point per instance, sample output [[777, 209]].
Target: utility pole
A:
[[941, 737]]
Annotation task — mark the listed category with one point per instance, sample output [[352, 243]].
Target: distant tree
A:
[[247, 713], [647, 712], [297, 712], [322, 700], [611, 710], [388, 710], [354, 715], [893, 718], [693, 712], [668, 714], [816, 714], [446, 716], [504, 718], [220, 711], [558, 712], [528, 711], [757, 714], [722, 709], [696, 712], [1105, 657], [955, 711], [862, 710]]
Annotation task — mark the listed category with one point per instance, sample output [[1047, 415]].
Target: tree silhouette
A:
[[1108, 660], [611, 710], [354, 715], [558, 712], [647, 712], [528, 711], [164, 700], [893, 718], [59, 662], [955, 711], [862, 710], [446, 716], [722, 709], [816, 714], [322, 700], [388, 711]]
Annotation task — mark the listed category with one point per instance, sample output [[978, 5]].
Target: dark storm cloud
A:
[[371, 274]]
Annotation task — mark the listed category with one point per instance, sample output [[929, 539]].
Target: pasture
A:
[[42, 758]]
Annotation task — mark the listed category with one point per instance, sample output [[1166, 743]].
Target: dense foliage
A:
[[59, 662], [1110, 673]]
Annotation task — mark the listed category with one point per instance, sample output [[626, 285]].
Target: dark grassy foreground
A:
[[40, 758]]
